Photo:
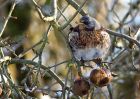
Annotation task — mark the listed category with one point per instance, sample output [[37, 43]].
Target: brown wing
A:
[[86, 38]]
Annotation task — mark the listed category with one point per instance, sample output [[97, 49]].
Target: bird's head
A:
[[90, 22], [85, 19]]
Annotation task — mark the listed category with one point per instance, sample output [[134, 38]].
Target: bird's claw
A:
[[98, 61]]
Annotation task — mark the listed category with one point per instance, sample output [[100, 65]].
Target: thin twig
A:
[[77, 11], [8, 17], [62, 11], [59, 64], [5, 23], [110, 91], [27, 50], [76, 6], [45, 37], [124, 36], [35, 64], [62, 14], [66, 81]]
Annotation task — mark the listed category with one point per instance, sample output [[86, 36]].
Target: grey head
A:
[[85, 19], [91, 23]]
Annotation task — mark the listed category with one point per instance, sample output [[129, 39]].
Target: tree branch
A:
[[124, 36], [54, 75], [76, 6], [77, 11], [8, 17]]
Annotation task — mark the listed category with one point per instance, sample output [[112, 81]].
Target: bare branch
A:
[[77, 11], [124, 36], [76, 6], [54, 75], [8, 17]]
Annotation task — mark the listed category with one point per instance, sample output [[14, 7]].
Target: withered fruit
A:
[[100, 77], [80, 87]]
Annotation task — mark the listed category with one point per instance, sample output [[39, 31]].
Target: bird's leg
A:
[[82, 62], [98, 61], [80, 68]]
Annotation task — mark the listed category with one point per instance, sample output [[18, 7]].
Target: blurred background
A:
[[26, 30]]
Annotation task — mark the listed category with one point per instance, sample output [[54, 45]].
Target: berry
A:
[[80, 87], [100, 77]]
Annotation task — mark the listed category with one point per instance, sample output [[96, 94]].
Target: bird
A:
[[88, 40]]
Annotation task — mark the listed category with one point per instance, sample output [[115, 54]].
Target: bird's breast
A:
[[88, 54]]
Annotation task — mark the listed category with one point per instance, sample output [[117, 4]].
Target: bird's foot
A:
[[98, 61], [81, 62]]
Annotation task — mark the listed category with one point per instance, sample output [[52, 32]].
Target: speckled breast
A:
[[88, 45]]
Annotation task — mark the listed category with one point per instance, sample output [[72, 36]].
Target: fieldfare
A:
[[89, 40]]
